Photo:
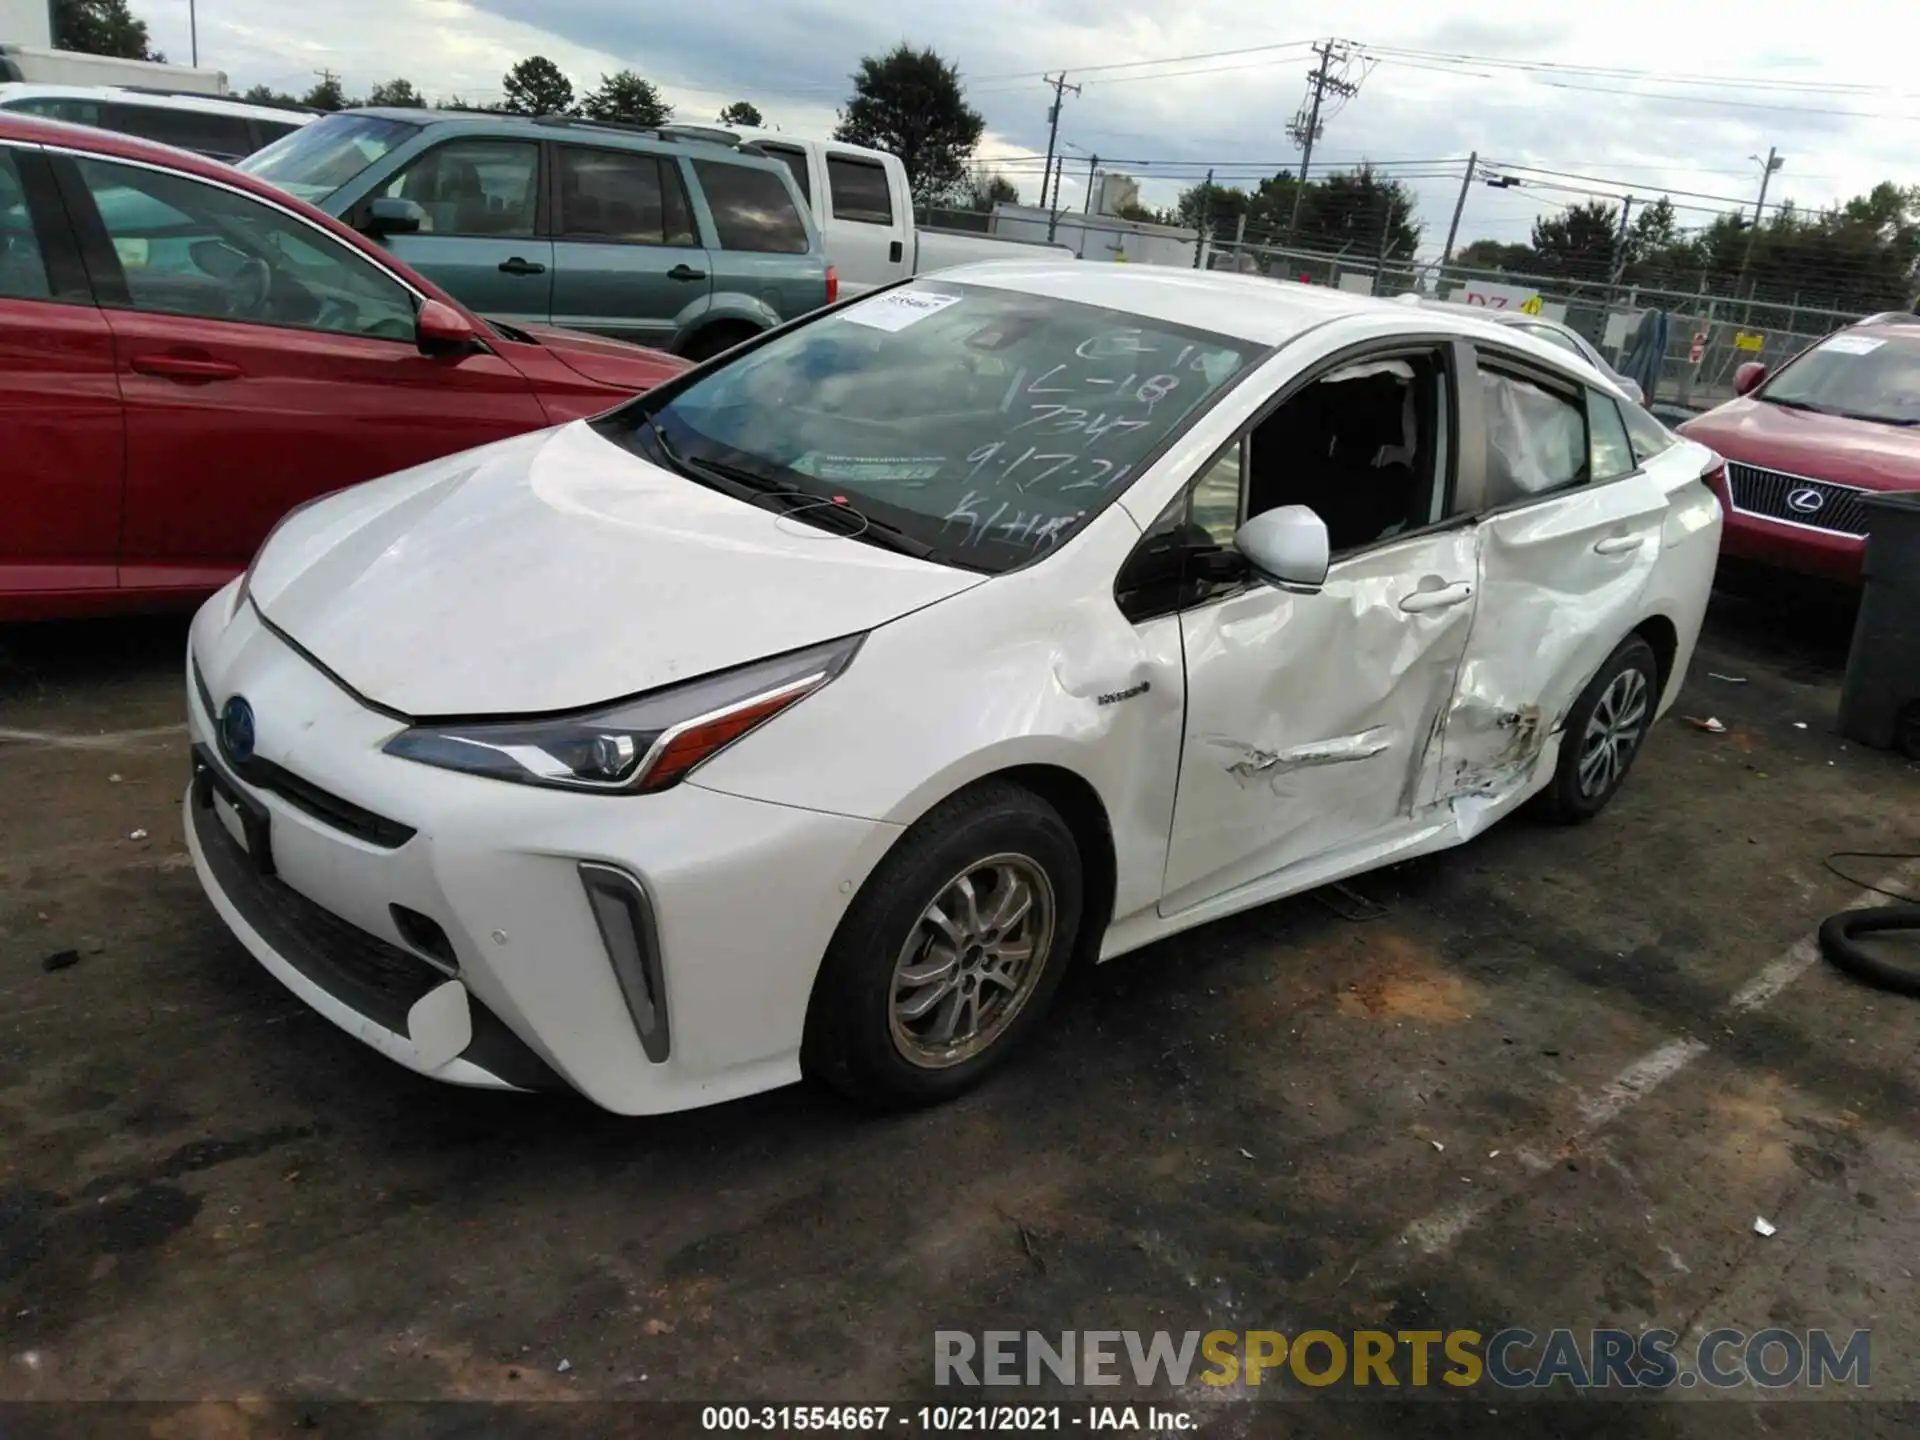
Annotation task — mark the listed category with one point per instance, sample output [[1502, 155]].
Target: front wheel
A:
[[951, 952], [1605, 729]]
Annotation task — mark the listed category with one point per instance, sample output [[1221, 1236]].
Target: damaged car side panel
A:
[[1311, 718], [1562, 582]]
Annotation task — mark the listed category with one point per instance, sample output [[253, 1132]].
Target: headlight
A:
[[638, 745]]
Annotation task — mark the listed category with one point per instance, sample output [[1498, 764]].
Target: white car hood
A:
[[558, 570]]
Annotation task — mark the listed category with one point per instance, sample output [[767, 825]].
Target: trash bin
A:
[[1880, 700]]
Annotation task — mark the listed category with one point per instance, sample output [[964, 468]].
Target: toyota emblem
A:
[[1806, 500], [236, 730]]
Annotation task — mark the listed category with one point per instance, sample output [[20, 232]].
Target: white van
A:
[[208, 125], [864, 207]]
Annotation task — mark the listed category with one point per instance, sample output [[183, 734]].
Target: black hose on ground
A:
[[1837, 932], [1837, 943]]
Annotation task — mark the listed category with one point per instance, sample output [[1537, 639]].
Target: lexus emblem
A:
[[1806, 500], [236, 729]]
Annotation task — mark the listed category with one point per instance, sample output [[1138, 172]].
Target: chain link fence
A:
[[1709, 336]]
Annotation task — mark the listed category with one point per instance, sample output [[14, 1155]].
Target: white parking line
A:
[[111, 740], [1438, 1232]]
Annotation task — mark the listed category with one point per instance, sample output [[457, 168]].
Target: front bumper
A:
[[1781, 545], [742, 896]]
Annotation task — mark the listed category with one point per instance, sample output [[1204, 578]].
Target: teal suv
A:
[[678, 242]]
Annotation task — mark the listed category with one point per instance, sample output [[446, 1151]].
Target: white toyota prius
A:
[[813, 713]]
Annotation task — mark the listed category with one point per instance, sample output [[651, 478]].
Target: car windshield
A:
[[317, 159], [985, 424], [1858, 375]]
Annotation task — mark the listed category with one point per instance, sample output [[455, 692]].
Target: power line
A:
[[1162, 60]]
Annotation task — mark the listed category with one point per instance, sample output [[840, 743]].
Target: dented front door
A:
[[1312, 719]]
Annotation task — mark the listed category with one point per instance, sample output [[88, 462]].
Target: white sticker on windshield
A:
[[1852, 345], [898, 309]]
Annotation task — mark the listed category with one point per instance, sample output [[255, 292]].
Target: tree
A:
[[399, 94], [1513, 259], [986, 188], [267, 95], [743, 112], [536, 87], [1579, 242], [101, 27], [627, 99], [911, 102], [328, 94], [1354, 212]]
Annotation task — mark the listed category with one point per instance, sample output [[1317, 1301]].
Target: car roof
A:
[[155, 99], [1243, 307], [110, 144], [552, 127]]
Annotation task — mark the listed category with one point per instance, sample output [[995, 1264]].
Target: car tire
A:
[[715, 340], [881, 1029], [1605, 730]]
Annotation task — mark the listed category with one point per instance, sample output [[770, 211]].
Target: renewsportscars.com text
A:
[[1511, 1359]]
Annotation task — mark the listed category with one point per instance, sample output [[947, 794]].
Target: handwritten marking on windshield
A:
[[1034, 527]]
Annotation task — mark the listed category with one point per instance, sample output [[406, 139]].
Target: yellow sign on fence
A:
[[1531, 306], [1744, 341]]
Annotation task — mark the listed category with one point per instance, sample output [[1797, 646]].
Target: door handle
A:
[[686, 272], [1618, 545], [185, 368], [1420, 602], [894, 252], [518, 266]]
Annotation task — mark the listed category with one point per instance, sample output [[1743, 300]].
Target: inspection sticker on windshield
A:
[[898, 309], [1852, 345], [869, 467]]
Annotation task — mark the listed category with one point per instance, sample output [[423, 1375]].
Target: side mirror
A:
[[217, 258], [390, 215], [443, 330], [1288, 546], [1748, 377]]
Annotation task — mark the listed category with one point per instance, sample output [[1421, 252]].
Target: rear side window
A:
[[1536, 438], [622, 195], [75, 112], [23, 273], [752, 210], [860, 191], [796, 163], [268, 131], [1609, 452], [225, 137], [1649, 436]]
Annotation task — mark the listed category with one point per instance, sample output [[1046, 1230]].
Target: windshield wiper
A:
[[748, 485], [1807, 405], [1903, 422]]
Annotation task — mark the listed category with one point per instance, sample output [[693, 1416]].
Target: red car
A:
[[187, 353], [1802, 445]]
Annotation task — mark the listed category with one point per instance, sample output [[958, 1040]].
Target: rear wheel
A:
[[715, 339], [1605, 729], [951, 952]]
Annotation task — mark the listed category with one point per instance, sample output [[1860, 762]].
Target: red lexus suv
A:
[[186, 354], [1804, 443]]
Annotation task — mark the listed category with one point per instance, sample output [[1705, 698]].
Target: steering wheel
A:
[[247, 295]]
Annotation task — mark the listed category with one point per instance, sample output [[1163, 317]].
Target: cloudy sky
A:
[[1628, 97]]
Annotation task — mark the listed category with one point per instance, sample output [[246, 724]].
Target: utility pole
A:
[[1772, 163], [1306, 129], [1059, 83], [1459, 205], [193, 30], [1093, 163], [1620, 247], [1206, 218]]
